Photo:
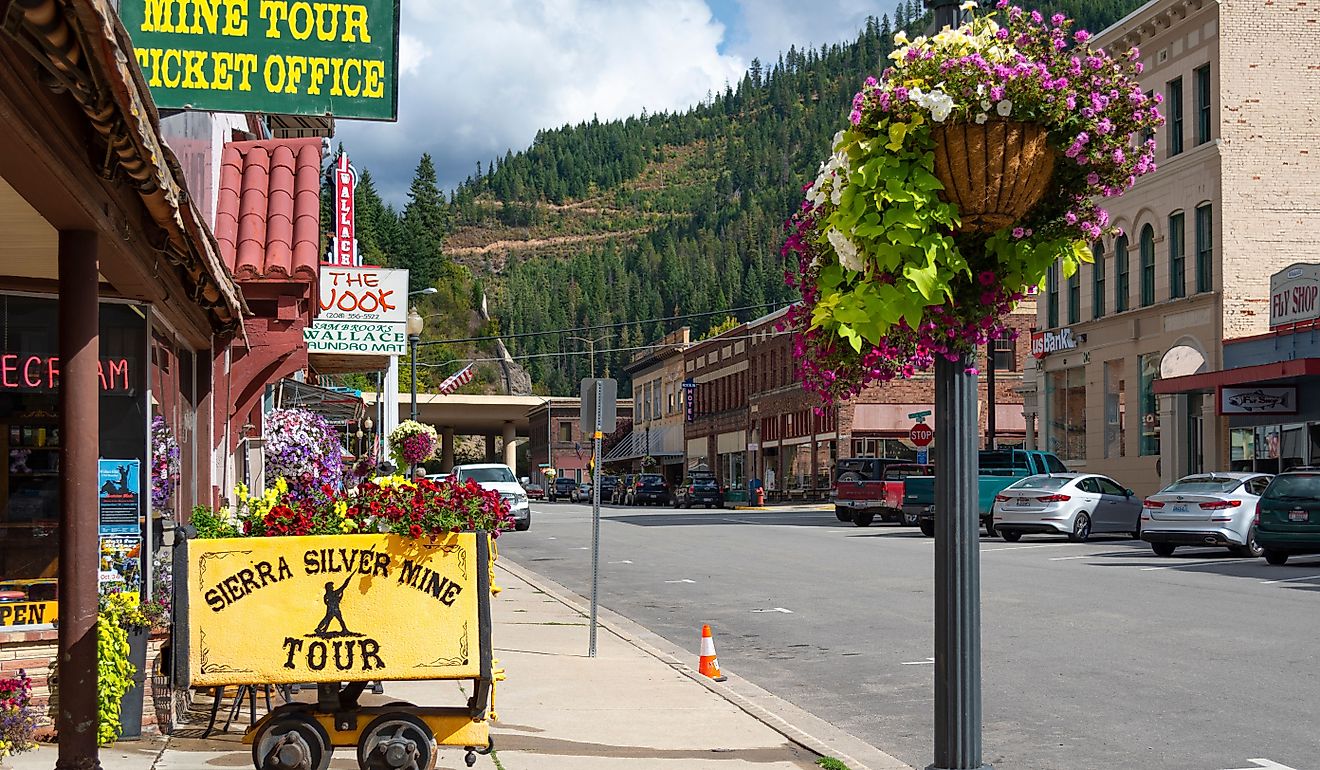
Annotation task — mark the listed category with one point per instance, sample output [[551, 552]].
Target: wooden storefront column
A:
[[79, 321]]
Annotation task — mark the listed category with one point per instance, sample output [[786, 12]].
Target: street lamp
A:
[[427, 290], [414, 329]]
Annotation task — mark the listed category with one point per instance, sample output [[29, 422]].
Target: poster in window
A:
[[117, 496]]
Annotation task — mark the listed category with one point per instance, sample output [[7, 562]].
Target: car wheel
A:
[[863, 518], [909, 519], [523, 525], [842, 514], [1251, 550], [1010, 536], [1081, 531], [989, 527], [1163, 549], [1277, 558], [1136, 533], [927, 528]]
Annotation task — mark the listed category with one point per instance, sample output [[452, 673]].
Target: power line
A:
[[564, 353], [598, 327]]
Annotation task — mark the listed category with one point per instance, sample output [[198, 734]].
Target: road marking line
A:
[[684, 580], [1267, 764], [1023, 547], [740, 521], [926, 662], [625, 561], [1195, 564], [1289, 580], [552, 538], [582, 548], [1066, 558], [776, 609]]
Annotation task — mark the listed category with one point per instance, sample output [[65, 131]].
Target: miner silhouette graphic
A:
[[332, 612]]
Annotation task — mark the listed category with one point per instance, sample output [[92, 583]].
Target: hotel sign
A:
[[1295, 295], [282, 57], [1046, 342]]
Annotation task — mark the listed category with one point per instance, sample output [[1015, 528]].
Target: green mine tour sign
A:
[[284, 57]]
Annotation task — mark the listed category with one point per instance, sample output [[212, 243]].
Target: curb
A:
[[795, 724]]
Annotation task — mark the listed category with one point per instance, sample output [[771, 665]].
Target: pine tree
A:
[[423, 227]]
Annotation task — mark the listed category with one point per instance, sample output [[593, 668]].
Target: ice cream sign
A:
[[1295, 295]]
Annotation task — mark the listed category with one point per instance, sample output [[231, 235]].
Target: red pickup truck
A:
[[873, 486]]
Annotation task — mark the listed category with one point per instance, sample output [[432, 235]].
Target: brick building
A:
[[751, 419], [556, 424], [657, 376], [1233, 201]]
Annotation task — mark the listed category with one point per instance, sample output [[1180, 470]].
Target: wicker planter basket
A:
[[994, 173]]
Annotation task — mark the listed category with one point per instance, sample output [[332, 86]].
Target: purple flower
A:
[[1081, 36], [987, 278]]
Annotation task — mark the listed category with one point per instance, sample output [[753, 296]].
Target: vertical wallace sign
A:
[[287, 57]]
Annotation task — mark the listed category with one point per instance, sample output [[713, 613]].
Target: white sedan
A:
[[1072, 504]]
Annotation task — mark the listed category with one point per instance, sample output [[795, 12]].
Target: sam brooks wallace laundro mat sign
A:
[[286, 57]]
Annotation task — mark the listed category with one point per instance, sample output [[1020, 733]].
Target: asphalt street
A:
[[1096, 655]]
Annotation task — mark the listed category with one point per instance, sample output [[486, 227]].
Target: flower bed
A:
[[893, 274]]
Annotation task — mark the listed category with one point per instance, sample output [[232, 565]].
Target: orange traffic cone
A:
[[709, 665]]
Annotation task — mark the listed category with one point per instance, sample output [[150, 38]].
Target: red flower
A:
[[415, 531]]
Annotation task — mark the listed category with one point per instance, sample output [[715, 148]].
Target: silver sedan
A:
[[1205, 509], [1072, 504]]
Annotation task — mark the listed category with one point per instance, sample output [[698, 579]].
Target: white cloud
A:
[[480, 77], [768, 27]]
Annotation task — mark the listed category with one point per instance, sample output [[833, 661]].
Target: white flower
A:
[[970, 5], [940, 105], [901, 39], [985, 105], [834, 143], [981, 118], [846, 249], [1004, 108], [836, 192]]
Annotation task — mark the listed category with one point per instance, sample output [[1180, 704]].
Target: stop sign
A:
[[921, 434]]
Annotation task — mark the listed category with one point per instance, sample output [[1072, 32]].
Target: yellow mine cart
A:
[[340, 611]]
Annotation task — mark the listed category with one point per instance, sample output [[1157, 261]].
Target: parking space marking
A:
[[776, 609], [625, 561], [684, 580], [1289, 580], [1194, 564], [1024, 547], [1264, 764], [1066, 558], [926, 662]]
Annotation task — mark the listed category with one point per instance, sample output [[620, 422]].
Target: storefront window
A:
[[731, 467], [883, 447], [1149, 365], [1065, 416], [1115, 409], [1242, 449], [1292, 447], [31, 438], [1267, 449]]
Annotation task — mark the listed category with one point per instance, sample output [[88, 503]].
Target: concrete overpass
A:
[[468, 415]]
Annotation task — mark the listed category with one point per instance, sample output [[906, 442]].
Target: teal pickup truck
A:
[[997, 468]]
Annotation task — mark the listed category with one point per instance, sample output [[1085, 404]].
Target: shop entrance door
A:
[[1195, 428]]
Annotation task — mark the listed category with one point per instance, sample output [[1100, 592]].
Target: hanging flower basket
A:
[[995, 172], [413, 443], [968, 168]]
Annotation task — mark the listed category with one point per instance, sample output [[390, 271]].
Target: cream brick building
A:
[[1236, 197]]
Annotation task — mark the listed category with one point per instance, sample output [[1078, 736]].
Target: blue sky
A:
[[483, 76]]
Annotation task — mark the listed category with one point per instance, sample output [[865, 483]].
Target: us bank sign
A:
[[1052, 341]]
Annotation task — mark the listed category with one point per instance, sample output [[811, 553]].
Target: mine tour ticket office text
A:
[[286, 25]]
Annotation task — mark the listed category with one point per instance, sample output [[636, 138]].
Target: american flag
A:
[[456, 381]]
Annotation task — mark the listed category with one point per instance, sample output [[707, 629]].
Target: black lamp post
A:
[[414, 329], [957, 547]]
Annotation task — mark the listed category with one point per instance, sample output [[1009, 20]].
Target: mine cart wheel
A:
[[292, 742], [396, 741]]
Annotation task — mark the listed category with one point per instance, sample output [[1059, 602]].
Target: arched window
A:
[[1122, 286], [1205, 251], [1097, 279], [1147, 266]]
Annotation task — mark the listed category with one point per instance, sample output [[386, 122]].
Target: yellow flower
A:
[[241, 492], [281, 485], [901, 38]]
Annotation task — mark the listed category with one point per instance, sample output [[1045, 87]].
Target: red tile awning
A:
[[267, 217], [1242, 375]]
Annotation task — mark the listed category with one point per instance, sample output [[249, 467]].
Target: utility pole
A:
[[591, 349]]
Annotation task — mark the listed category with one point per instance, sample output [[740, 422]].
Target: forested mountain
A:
[[654, 216]]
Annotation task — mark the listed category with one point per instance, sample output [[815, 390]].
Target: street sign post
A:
[[923, 456], [598, 416]]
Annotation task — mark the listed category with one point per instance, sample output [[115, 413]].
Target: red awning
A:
[[1242, 375]]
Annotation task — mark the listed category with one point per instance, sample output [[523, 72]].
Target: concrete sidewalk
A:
[[638, 705]]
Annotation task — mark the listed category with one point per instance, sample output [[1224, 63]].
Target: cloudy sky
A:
[[479, 77]]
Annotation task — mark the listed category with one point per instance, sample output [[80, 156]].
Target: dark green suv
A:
[[1288, 516]]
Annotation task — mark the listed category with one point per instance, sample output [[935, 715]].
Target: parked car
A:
[[562, 489], [535, 491], [499, 478], [873, 486], [619, 495], [1288, 516], [1073, 504], [582, 494], [996, 469], [607, 486], [699, 490], [1205, 509], [648, 488]]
